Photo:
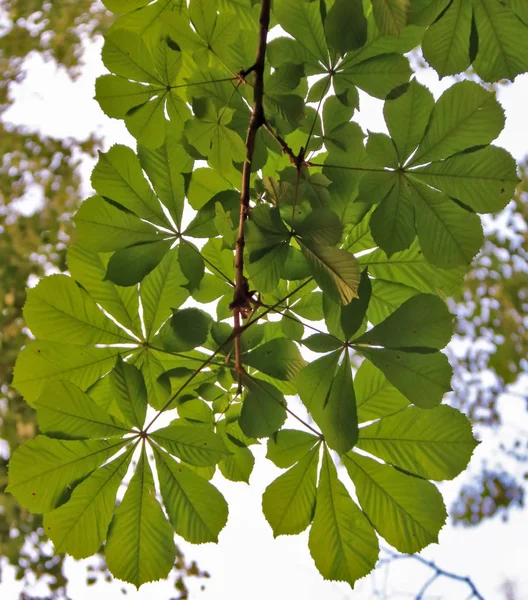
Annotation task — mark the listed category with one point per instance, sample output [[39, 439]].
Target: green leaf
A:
[[393, 222], [422, 378], [387, 296], [118, 176], [336, 271], [79, 527], [390, 15], [335, 113], [89, 268], [239, 465], [310, 306], [192, 264], [423, 321], [377, 76], [503, 44], [381, 150], [332, 316], [288, 446], [168, 60], [195, 444], [65, 411], [125, 54], [466, 115], [302, 20], [267, 270], [407, 511], [520, 9], [279, 358], [129, 393], [146, 122], [291, 327], [263, 410], [187, 329], [196, 509], [484, 180], [129, 266], [42, 471], [288, 503], [321, 226], [124, 6], [57, 309], [164, 169], [197, 411], [411, 268], [424, 12], [353, 314], [336, 412], [117, 95], [375, 396], [407, 115], [267, 241], [203, 224], [446, 42], [151, 369], [41, 362], [321, 342], [449, 235], [434, 444], [140, 544], [205, 183], [149, 22], [342, 542], [314, 381], [377, 185], [346, 26], [102, 227], [162, 290]]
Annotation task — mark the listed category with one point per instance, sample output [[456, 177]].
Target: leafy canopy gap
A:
[[224, 321]]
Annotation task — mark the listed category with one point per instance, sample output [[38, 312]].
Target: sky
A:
[[248, 562]]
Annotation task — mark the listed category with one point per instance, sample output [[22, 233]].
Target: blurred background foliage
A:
[[492, 339]]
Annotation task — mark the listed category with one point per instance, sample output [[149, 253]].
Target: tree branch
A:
[[241, 304], [437, 573]]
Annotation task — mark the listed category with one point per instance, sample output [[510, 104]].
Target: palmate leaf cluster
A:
[[351, 242]]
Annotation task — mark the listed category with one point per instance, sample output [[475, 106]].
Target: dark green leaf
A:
[[346, 26], [129, 266], [423, 321], [279, 358], [263, 409]]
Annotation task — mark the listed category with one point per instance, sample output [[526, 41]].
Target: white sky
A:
[[248, 562]]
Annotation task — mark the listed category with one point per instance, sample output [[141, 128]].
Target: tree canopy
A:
[[328, 255]]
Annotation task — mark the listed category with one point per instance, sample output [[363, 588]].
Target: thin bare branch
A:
[[437, 573]]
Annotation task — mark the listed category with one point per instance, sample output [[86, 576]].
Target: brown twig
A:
[[282, 143], [241, 304]]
